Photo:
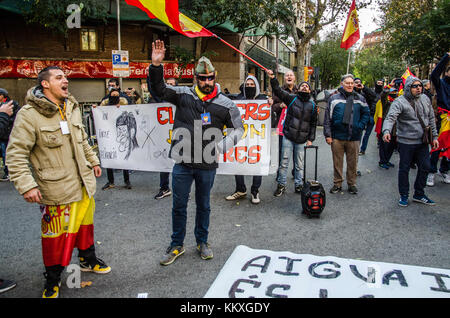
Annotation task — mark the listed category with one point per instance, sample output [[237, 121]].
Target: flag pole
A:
[[243, 54], [348, 60]]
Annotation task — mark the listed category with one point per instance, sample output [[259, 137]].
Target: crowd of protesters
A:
[[63, 182]]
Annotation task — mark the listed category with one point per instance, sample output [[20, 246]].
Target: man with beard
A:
[[371, 99], [202, 111], [346, 116], [249, 90], [405, 111], [48, 135], [299, 127]]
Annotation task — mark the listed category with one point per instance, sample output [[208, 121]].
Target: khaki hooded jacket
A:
[[60, 163]]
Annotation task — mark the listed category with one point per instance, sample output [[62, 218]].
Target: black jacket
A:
[[188, 116], [301, 116], [6, 131]]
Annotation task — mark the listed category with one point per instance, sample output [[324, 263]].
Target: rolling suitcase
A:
[[313, 193]]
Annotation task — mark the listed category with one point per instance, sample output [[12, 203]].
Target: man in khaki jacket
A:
[[48, 134]]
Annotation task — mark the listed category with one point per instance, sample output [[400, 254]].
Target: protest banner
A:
[[138, 137], [263, 273]]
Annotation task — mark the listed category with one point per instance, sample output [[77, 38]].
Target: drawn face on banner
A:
[[126, 133]]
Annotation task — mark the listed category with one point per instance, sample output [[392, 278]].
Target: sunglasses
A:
[[205, 78], [416, 85]]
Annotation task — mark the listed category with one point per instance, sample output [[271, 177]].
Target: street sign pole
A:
[[118, 35]]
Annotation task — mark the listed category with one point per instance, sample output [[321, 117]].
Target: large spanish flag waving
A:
[[167, 11], [351, 31]]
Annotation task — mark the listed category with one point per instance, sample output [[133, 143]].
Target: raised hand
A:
[[158, 52]]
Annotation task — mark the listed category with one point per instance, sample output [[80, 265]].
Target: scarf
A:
[[204, 97], [348, 106]]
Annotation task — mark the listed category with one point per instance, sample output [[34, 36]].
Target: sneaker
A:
[[99, 266], [280, 190], [298, 189], [163, 193], [255, 198], [171, 254], [205, 251], [4, 178], [51, 290], [383, 165], [362, 153], [423, 199], [353, 189], [6, 285], [236, 195], [446, 177], [108, 186], [127, 185], [403, 201], [335, 189], [430, 180]]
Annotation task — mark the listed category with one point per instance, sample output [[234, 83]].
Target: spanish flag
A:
[[378, 117], [351, 31], [444, 134], [167, 12]]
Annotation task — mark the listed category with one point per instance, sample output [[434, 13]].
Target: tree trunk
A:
[[300, 62]]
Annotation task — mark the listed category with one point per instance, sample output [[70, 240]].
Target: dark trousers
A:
[[110, 172], [182, 178], [164, 180], [421, 156], [240, 183], [3, 145], [386, 149], [434, 158], [365, 139]]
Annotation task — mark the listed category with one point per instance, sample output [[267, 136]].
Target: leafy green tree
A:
[[330, 58]]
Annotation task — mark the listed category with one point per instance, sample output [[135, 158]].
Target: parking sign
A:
[[120, 63]]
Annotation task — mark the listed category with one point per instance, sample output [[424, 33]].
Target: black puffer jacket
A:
[[301, 117], [4, 133]]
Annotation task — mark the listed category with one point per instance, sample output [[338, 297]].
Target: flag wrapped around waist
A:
[[64, 227], [444, 134], [167, 11]]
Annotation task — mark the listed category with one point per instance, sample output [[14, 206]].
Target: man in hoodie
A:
[[249, 90], [346, 116], [299, 128], [48, 135], [442, 86], [201, 113], [406, 110]]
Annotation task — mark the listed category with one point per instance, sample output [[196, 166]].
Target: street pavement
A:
[[132, 231]]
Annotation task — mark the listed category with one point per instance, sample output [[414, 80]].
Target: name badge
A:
[[64, 127], [206, 119]]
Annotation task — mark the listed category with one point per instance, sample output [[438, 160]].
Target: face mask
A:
[[378, 88], [250, 92], [304, 96]]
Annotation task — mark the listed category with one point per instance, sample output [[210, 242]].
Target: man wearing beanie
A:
[[299, 127], [408, 111], [201, 110]]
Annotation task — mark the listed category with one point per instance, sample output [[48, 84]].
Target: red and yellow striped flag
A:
[[351, 31], [444, 134], [167, 11]]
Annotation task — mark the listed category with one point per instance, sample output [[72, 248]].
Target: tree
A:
[[372, 64], [330, 58]]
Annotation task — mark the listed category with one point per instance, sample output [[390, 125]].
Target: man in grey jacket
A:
[[406, 110]]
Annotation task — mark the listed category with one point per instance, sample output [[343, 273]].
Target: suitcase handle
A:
[[304, 163]]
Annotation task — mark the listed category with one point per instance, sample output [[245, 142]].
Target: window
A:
[[88, 40]]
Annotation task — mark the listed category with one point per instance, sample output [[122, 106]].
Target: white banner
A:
[[262, 273], [138, 137]]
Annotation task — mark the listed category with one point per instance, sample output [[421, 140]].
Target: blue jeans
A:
[[287, 149], [3, 145], [365, 139], [413, 153], [182, 178]]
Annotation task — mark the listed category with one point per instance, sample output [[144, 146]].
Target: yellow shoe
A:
[[99, 268], [51, 291]]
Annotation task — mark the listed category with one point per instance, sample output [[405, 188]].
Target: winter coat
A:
[[189, 110], [334, 127], [4, 133], [301, 116], [61, 163], [442, 85], [276, 106], [409, 129]]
